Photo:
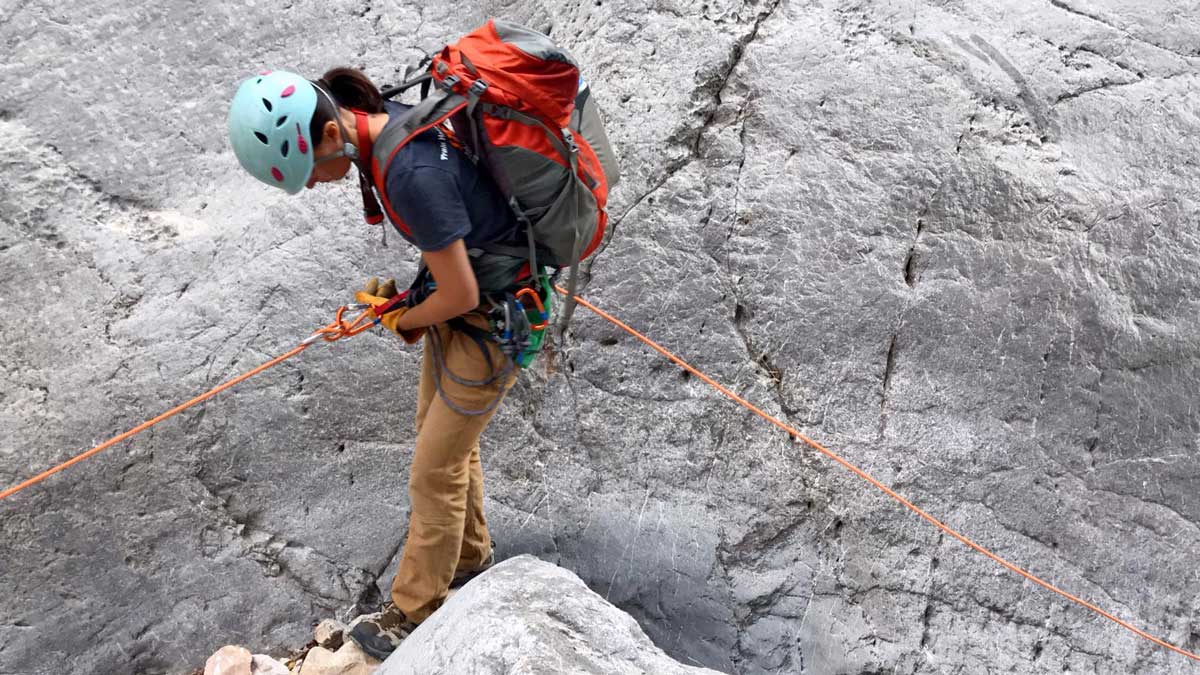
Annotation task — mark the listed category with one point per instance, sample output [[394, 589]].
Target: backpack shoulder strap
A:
[[432, 111]]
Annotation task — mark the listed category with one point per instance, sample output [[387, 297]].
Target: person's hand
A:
[[377, 294]]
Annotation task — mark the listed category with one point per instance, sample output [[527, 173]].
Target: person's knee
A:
[[441, 485]]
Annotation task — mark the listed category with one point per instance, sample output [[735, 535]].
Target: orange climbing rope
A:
[[870, 479], [336, 330], [340, 328]]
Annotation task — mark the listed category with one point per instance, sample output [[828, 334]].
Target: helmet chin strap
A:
[[348, 149], [371, 211]]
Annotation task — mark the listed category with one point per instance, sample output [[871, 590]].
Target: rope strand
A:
[[870, 479], [146, 425], [339, 329], [336, 330]]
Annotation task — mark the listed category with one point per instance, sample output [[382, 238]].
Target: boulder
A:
[[529, 616]]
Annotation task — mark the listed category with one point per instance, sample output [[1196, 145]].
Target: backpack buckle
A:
[[477, 88], [569, 139], [449, 83]]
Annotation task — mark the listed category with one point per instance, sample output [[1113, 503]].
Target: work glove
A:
[[376, 294]]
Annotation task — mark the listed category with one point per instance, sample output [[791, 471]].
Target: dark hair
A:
[[351, 89]]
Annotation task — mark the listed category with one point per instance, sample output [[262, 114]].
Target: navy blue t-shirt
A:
[[442, 196]]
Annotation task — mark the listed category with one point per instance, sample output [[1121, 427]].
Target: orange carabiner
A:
[[339, 328], [541, 309], [364, 322]]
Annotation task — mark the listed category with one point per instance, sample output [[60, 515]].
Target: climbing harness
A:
[[438, 355], [517, 322], [340, 328]]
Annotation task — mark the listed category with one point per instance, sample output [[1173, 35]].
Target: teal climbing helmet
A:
[[268, 128]]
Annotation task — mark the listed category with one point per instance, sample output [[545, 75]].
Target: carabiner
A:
[[507, 334], [537, 302]]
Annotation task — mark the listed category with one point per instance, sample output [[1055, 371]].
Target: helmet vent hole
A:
[[283, 149], [262, 137], [281, 121], [267, 104]]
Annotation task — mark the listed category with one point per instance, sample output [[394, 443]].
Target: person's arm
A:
[[457, 292], [430, 201]]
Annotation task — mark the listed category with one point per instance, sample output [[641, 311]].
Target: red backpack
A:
[[516, 104]]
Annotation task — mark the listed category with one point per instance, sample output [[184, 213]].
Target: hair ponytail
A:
[[350, 88]]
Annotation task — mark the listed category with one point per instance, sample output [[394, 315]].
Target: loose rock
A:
[[330, 633], [262, 664], [229, 660], [347, 660]]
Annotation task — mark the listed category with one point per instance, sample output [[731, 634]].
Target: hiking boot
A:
[[462, 577], [380, 633]]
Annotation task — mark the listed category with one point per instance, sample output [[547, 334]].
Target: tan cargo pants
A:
[[446, 528]]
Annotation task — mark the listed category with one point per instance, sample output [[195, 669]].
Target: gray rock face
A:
[[525, 616], [956, 242]]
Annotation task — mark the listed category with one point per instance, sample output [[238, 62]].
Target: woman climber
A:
[[499, 172], [308, 132]]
